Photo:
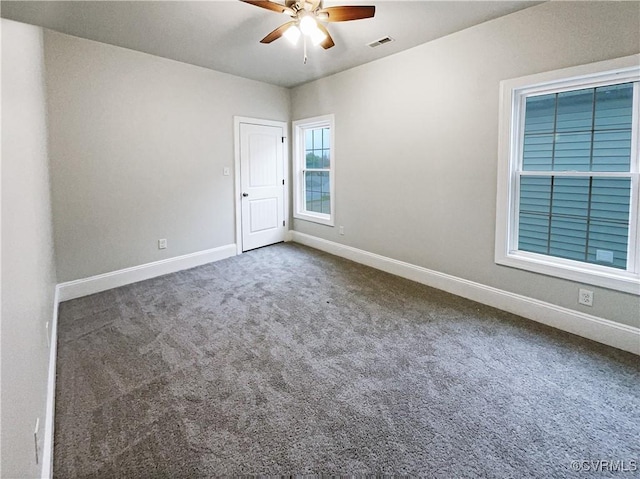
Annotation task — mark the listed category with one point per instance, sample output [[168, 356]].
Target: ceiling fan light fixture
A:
[[308, 18], [292, 34], [317, 36], [308, 25]]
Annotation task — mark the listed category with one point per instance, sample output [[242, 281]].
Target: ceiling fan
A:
[[308, 17]]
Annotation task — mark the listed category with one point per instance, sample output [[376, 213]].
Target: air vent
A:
[[382, 41]]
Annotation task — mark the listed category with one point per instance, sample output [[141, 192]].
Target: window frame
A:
[[513, 94], [299, 169]]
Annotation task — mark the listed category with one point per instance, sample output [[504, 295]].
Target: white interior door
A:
[[262, 185]]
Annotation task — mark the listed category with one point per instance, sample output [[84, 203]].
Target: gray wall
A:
[[417, 141], [28, 279], [138, 144]]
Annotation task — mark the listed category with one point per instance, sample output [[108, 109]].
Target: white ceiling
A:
[[225, 35]]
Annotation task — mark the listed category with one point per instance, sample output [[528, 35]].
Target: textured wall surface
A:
[[417, 142], [138, 146], [28, 273]]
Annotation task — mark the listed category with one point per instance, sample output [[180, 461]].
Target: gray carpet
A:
[[288, 361]]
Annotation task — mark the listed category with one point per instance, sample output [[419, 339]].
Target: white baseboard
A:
[[602, 330], [115, 279], [47, 453]]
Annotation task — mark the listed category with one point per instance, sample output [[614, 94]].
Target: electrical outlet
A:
[[341, 230], [162, 243], [585, 297], [226, 171]]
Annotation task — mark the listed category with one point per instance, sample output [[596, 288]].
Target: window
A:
[[569, 172], [314, 161]]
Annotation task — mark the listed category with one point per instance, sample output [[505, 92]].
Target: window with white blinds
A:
[[571, 198]]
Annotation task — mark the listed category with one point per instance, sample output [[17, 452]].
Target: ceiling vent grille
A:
[[382, 41]]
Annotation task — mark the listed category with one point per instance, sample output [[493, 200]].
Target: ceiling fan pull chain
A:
[[304, 41]]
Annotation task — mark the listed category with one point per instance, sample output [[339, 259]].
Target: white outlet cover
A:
[[585, 297]]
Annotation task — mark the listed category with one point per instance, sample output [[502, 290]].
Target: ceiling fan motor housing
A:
[[309, 6]]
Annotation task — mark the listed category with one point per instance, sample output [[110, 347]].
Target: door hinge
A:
[[283, 137], [282, 222], [283, 182]]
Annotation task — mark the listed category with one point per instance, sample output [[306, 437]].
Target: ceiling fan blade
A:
[[277, 33], [327, 42], [273, 6], [346, 13]]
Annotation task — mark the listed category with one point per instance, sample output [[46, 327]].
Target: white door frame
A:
[[237, 120]]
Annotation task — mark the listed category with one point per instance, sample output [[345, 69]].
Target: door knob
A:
[[245, 194]]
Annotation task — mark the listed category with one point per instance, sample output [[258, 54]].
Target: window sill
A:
[[594, 275], [319, 218]]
